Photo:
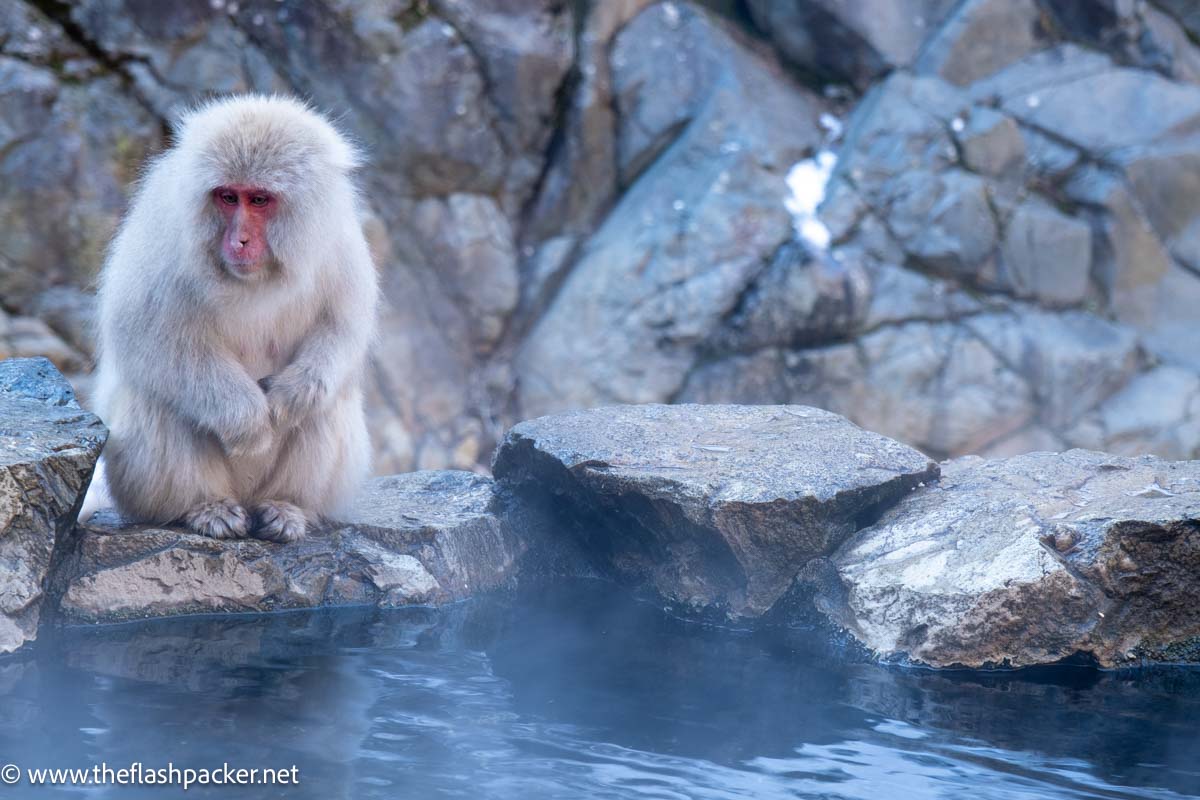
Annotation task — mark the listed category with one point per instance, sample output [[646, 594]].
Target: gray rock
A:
[[1164, 315], [901, 157], [1047, 156], [1156, 412], [1026, 221], [1047, 255], [30, 337], [210, 51], [799, 299], [1134, 33], [1028, 561], [71, 313], [525, 48], [1163, 179], [1073, 360], [1133, 258], [48, 449], [672, 259], [580, 179], [902, 125], [71, 148], [545, 270], [1149, 216], [1165, 45], [980, 38], [1094, 21], [1019, 83], [662, 70], [945, 221], [904, 295], [1032, 439], [991, 143], [1185, 11], [715, 508], [891, 380], [1080, 108], [418, 538], [854, 41], [28, 35], [471, 244]]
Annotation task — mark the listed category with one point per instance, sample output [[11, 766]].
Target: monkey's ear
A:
[[265, 383], [345, 154]]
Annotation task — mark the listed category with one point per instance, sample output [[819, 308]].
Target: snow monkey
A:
[[237, 304]]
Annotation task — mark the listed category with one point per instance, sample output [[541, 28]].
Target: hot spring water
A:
[[580, 694]]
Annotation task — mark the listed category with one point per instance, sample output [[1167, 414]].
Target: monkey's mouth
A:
[[245, 257], [245, 267]]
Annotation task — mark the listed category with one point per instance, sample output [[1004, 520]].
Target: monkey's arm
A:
[[322, 366], [185, 368], [333, 352], [217, 394]]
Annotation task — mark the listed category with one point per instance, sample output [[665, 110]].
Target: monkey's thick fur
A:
[[235, 403]]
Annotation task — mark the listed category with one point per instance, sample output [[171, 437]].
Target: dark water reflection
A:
[[576, 694]]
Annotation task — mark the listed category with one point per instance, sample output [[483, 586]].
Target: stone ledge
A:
[[418, 538]]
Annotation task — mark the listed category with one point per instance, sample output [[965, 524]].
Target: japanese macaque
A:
[[237, 305]]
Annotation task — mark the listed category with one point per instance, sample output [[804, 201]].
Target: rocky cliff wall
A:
[[973, 226]]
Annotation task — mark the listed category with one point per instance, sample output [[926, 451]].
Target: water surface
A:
[[576, 693]]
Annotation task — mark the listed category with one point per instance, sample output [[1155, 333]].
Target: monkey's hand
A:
[[250, 435], [293, 395]]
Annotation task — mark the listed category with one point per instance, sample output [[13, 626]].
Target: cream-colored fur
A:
[[184, 344]]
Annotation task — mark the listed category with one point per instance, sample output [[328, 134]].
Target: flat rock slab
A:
[[48, 449], [418, 538], [715, 507], [1030, 560]]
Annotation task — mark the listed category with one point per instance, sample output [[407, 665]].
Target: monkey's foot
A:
[[219, 519], [277, 521]]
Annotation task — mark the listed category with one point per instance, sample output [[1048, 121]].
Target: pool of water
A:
[[575, 693]]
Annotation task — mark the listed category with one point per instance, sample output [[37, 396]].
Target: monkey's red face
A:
[[246, 212]]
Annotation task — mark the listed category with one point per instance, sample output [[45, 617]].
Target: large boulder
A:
[[1029, 560], [716, 508], [48, 449], [419, 538]]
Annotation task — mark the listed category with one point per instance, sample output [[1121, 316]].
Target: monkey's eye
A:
[[259, 200], [228, 198]]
